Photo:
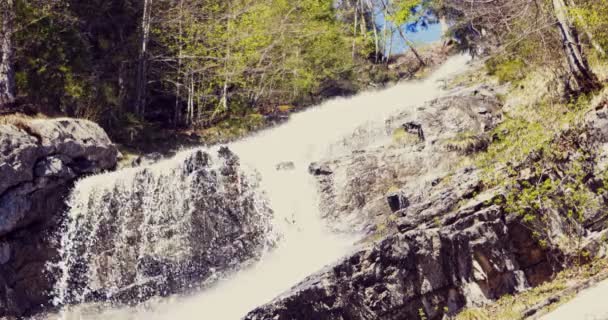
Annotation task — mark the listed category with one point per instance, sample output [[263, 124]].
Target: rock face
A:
[[445, 255], [357, 190], [39, 160], [162, 229]]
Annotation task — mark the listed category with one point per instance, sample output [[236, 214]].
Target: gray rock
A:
[[42, 157], [146, 159], [415, 128], [317, 169], [5, 252], [397, 201], [189, 219], [39, 161], [353, 187], [285, 166], [476, 256]]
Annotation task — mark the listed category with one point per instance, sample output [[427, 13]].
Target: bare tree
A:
[[582, 73], [140, 100], [388, 12], [508, 22], [7, 72]]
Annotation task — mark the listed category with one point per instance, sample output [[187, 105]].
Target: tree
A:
[[7, 71], [530, 29], [579, 67], [142, 61]]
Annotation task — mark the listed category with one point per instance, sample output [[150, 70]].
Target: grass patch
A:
[[402, 137], [468, 142]]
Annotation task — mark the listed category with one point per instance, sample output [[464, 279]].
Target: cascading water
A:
[[130, 227], [144, 232]]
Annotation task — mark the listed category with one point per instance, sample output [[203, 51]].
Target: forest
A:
[[187, 63], [193, 64]]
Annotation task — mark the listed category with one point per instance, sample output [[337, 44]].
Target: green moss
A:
[[507, 70], [402, 137], [467, 142]]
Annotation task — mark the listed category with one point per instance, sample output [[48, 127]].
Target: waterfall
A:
[[138, 233], [143, 233]]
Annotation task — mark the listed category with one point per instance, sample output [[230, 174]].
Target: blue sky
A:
[[422, 36]]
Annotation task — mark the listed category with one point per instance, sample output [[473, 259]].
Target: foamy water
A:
[[305, 244]]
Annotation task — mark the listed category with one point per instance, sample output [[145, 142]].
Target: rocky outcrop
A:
[[39, 160], [162, 229], [445, 255], [418, 148]]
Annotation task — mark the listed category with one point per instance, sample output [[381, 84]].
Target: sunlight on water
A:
[[305, 244]]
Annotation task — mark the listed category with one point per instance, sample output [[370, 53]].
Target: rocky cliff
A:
[[39, 162]]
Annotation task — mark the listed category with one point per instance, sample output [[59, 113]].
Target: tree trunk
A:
[[588, 33], [411, 45], [7, 71], [585, 79], [142, 78], [405, 39]]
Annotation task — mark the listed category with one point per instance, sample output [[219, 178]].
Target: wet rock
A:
[[397, 201], [285, 166], [317, 169], [415, 128], [146, 159], [39, 161], [353, 196], [190, 219]]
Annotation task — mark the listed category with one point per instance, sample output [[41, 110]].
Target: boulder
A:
[[285, 166], [39, 162]]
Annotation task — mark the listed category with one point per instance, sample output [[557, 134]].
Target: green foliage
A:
[[77, 55], [405, 11], [468, 142], [206, 62], [553, 194], [422, 314], [592, 17], [249, 54]]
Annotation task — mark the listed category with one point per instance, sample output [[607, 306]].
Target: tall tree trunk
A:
[[411, 45], [356, 17], [402, 34], [179, 76], [7, 71], [579, 68], [142, 78], [385, 51]]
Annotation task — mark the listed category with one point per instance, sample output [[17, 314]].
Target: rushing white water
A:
[[306, 245]]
